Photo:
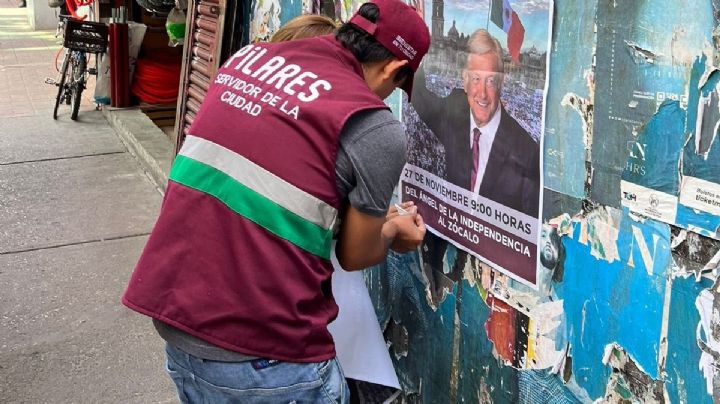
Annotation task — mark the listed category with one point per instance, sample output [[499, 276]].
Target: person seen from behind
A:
[[307, 26], [292, 147]]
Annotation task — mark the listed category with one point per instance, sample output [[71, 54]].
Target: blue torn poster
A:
[[645, 52]]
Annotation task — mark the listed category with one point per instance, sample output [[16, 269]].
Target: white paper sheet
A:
[[359, 342]]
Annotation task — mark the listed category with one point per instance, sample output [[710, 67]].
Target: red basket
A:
[[86, 36]]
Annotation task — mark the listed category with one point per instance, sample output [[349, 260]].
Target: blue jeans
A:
[[257, 381]]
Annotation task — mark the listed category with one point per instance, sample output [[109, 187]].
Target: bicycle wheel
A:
[[78, 83], [61, 85]]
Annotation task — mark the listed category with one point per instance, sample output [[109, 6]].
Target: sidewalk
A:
[[75, 212], [28, 57], [25, 57], [9, 3]]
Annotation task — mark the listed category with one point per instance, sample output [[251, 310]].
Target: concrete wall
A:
[[631, 171], [41, 16]]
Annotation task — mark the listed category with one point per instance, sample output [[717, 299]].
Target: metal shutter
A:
[[215, 29]]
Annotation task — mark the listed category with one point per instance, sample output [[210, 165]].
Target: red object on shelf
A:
[[157, 78]]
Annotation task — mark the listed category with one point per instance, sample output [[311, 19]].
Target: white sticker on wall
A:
[[649, 202], [700, 194]]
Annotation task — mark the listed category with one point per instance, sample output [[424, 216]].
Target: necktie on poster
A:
[[475, 156]]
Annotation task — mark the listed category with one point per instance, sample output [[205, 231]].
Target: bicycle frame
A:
[[70, 82], [73, 75]]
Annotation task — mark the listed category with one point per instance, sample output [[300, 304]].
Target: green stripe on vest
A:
[[253, 206], [260, 180]]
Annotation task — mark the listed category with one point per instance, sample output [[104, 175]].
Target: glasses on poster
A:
[[491, 80]]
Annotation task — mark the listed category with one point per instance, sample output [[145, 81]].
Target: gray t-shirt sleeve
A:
[[370, 159]]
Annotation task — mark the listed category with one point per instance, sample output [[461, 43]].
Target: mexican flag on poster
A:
[[502, 15]]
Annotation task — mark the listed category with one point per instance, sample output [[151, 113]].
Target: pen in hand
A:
[[401, 211]]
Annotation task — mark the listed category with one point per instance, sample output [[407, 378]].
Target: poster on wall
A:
[[269, 15], [699, 201], [645, 68], [657, 116], [639, 75], [475, 125]]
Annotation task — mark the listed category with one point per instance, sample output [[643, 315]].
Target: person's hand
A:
[[406, 230], [393, 210], [411, 232]]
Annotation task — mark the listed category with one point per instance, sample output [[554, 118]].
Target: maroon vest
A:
[[211, 267]]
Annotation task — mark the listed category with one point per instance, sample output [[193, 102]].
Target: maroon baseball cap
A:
[[400, 29]]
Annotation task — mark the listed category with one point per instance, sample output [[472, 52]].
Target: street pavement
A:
[[75, 212]]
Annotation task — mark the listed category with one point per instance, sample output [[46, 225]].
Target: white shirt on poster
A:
[[487, 136]]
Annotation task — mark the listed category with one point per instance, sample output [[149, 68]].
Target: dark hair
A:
[[363, 46]]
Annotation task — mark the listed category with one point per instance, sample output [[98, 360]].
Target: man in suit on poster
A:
[[486, 150]]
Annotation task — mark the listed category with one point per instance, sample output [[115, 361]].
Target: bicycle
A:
[[80, 38]]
